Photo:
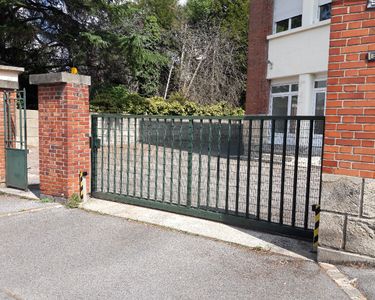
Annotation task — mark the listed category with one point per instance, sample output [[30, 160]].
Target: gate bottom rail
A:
[[247, 223]]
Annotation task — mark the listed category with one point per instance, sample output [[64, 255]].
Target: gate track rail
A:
[[257, 172]]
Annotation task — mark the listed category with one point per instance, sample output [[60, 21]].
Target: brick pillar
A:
[[64, 130], [8, 82], [348, 188], [258, 87]]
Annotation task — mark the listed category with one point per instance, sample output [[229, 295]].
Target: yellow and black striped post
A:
[[81, 185], [316, 209]]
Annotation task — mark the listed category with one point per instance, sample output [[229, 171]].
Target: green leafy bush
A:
[[119, 100]]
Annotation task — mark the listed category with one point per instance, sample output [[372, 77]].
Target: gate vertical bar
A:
[[102, 160], [179, 163], [260, 158], [156, 161], [172, 162], [250, 137], [228, 165], [218, 165], [209, 164], [238, 165], [20, 104], [25, 137], [135, 158], [109, 153], [128, 159], [10, 133], [321, 160], [149, 159], [164, 159], [190, 163], [115, 155], [309, 156], [141, 135], [270, 187], [5, 118], [122, 153], [25, 121], [200, 162], [282, 188], [295, 178]]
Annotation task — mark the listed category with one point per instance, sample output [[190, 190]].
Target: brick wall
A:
[[260, 26], [350, 109], [64, 131], [347, 227]]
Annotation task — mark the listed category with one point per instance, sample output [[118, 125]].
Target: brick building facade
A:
[[348, 196], [342, 87]]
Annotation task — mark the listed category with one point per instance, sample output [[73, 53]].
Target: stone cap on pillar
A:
[[9, 77], [61, 77]]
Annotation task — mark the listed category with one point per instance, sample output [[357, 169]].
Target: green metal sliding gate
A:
[[255, 172], [15, 139]]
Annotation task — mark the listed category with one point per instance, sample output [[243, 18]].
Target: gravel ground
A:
[[71, 254]]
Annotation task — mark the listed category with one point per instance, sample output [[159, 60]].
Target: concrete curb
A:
[[342, 281], [19, 193], [341, 257], [218, 231]]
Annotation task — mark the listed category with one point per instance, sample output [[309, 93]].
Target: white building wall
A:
[[300, 55], [300, 51]]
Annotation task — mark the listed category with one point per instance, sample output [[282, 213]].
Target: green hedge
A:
[[119, 100]]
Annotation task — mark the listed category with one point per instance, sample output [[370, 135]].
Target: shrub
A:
[[111, 100], [119, 100]]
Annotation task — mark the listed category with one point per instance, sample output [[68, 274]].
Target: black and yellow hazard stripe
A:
[[81, 192], [316, 209]]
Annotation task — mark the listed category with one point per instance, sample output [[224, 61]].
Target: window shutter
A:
[[286, 9]]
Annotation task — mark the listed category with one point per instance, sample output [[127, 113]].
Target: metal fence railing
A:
[[253, 171]]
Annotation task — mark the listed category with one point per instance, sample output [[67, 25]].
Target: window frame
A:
[[319, 12], [288, 94], [289, 24], [319, 90]]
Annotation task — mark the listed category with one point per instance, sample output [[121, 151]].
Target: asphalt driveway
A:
[[50, 252]]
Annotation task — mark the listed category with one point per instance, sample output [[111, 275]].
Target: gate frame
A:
[[250, 222], [8, 82], [16, 175]]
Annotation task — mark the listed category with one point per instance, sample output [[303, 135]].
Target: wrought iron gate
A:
[[15, 139], [255, 172]]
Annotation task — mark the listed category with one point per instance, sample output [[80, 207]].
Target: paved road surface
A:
[[365, 278], [56, 253]]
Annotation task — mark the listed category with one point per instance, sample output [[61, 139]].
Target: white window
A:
[[320, 94], [284, 101], [287, 15]]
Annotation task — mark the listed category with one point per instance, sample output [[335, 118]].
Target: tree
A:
[[199, 11], [138, 44], [114, 43], [164, 10], [208, 71]]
